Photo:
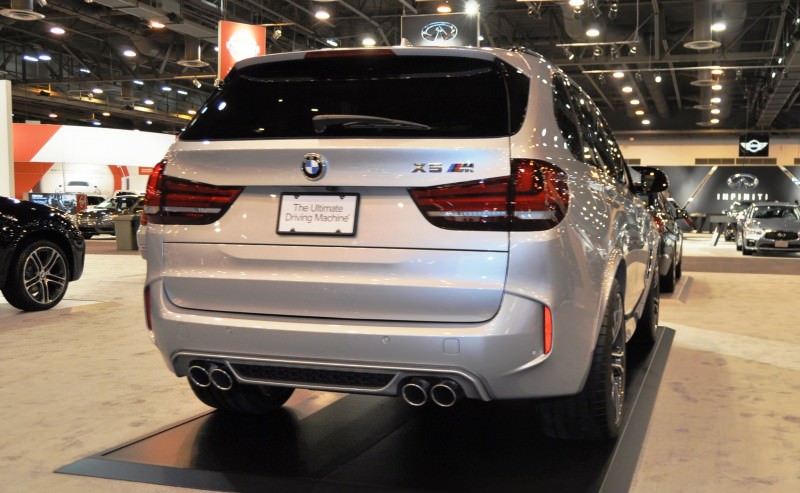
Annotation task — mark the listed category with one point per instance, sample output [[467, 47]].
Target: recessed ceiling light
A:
[[45, 57], [444, 8], [97, 90], [715, 100], [129, 53], [719, 26], [106, 113], [716, 71], [715, 111], [645, 122], [592, 32], [138, 82], [57, 30], [639, 112], [618, 75], [627, 89], [149, 102], [716, 87], [322, 14], [166, 88], [53, 115], [368, 41], [657, 78], [714, 121], [635, 102], [29, 58]]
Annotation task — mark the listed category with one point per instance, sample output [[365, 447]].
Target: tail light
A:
[[170, 200], [659, 223], [534, 197]]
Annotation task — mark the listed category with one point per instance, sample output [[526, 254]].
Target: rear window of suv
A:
[[365, 96]]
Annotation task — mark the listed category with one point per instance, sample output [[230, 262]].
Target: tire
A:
[[647, 326], [596, 412], [739, 242], [246, 399], [669, 279], [37, 277]]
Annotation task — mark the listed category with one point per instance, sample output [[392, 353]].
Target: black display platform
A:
[[367, 443]]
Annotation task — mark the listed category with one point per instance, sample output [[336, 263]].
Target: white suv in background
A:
[[434, 223]]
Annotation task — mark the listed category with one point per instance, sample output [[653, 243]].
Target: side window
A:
[[565, 116], [608, 148]]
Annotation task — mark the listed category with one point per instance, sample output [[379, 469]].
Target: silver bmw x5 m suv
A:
[[431, 223]]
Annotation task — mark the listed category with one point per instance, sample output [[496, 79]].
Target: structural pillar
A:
[[6, 141]]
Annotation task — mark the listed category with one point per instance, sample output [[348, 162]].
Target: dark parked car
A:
[[670, 253], [100, 219], [41, 252]]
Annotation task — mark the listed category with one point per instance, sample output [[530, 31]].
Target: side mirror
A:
[[651, 180]]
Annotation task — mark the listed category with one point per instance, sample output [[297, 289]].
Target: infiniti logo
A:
[[439, 31], [742, 181], [314, 166]]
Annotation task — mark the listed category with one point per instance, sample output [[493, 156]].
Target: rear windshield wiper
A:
[[322, 122]]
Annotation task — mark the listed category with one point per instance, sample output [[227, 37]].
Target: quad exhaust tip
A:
[[418, 391]]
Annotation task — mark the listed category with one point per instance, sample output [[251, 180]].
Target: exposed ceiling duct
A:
[[785, 84], [22, 10], [702, 28], [192, 54]]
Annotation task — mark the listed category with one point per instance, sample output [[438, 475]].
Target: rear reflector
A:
[[534, 197], [548, 330], [170, 200]]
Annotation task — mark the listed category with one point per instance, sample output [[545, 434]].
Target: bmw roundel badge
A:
[[314, 166]]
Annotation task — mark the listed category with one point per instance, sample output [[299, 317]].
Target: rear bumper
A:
[[498, 359]]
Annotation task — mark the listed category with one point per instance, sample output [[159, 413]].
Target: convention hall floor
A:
[[85, 377]]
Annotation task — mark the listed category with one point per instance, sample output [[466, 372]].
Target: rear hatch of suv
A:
[[345, 184]]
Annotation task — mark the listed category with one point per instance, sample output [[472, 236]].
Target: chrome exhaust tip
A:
[[446, 393], [199, 376], [220, 378], [415, 392]]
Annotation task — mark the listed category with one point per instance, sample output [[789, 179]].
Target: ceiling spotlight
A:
[[97, 90], [149, 102], [593, 32], [716, 87], [30, 58], [633, 49], [597, 51], [129, 53], [569, 54], [57, 30], [368, 41], [535, 10], [715, 100], [166, 88], [718, 26], [138, 82], [635, 102], [618, 75], [716, 111], [196, 83], [277, 33], [714, 121], [45, 57], [639, 112], [322, 14], [182, 92], [472, 7], [106, 113], [84, 70], [627, 89], [613, 10], [657, 78], [444, 8], [645, 122], [576, 3], [716, 71], [332, 43], [53, 115]]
